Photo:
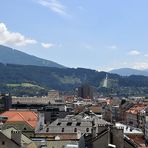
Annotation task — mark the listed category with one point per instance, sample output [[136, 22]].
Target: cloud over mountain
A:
[[13, 38]]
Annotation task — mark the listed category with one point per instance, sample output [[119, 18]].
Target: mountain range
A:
[[12, 56], [20, 71], [64, 79], [129, 71]]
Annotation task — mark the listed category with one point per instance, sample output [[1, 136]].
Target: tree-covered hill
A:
[[52, 78], [64, 79]]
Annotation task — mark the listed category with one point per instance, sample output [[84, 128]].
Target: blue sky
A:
[[96, 34]]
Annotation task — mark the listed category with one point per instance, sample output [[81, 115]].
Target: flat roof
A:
[[129, 129]]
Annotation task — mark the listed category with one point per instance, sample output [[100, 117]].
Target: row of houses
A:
[[27, 128], [77, 122]]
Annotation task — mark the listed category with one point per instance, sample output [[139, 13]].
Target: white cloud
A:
[[140, 65], [134, 52], [13, 38], [106, 69], [54, 5], [47, 45], [112, 47]]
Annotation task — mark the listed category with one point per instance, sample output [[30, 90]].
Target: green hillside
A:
[[44, 78]]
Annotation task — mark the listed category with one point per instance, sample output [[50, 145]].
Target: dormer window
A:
[[69, 123], [78, 123], [59, 123]]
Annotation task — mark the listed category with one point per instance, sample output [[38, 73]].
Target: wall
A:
[[101, 142], [6, 142], [117, 137]]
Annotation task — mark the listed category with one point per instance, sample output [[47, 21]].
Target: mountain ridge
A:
[[58, 78], [12, 56], [129, 71]]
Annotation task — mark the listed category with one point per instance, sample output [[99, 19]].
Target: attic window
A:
[[69, 123], [59, 123], [78, 123]]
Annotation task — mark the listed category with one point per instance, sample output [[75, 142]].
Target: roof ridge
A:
[[35, 114], [21, 116], [29, 123], [24, 119]]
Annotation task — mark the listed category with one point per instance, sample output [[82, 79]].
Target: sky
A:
[[95, 34]]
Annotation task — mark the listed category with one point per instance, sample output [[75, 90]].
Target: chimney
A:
[[16, 136]]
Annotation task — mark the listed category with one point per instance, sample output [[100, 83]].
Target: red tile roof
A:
[[138, 139], [135, 109], [29, 117]]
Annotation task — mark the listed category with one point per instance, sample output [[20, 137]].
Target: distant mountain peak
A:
[[12, 56], [129, 71]]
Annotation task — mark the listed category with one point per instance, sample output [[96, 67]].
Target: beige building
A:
[[133, 115], [11, 138]]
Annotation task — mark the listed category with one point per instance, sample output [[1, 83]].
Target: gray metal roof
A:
[[24, 139]]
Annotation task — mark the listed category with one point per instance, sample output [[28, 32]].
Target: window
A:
[[78, 124], [75, 130], [25, 129], [3, 142], [59, 123], [69, 123], [87, 129], [62, 130], [47, 130]]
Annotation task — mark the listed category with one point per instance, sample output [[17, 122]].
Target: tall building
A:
[[85, 91], [5, 102], [53, 94]]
